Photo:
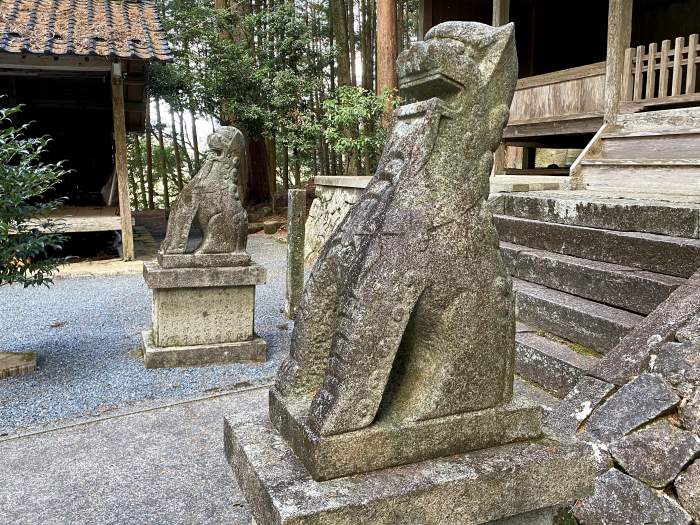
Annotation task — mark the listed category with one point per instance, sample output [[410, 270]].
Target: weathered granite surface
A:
[[688, 489], [689, 412], [638, 402], [296, 215], [472, 488], [621, 499], [657, 453], [157, 277], [579, 403], [679, 364], [391, 326], [211, 198]]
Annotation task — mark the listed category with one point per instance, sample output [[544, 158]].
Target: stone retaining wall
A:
[[640, 408], [334, 198]]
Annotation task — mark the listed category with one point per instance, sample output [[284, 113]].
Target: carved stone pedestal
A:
[[517, 483], [202, 316]]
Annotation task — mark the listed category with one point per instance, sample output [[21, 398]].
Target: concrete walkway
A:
[[158, 466]]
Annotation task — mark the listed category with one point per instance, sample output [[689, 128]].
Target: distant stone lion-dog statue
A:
[[408, 314], [211, 198]]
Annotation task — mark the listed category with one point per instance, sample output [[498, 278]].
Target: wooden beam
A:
[[619, 37], [120, 162], [501, 12], [53, 63]]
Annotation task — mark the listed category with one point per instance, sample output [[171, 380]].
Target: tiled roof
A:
[[108, 28]]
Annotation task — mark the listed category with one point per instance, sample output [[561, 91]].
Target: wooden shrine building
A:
[[78, 67], [616, 78]]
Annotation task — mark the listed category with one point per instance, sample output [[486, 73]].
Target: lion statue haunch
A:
[[211, 198], [408, 314]]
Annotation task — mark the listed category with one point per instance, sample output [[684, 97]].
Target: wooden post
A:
[[386, 46], [619, 37], [425, 18], [501, 12], [499, 160], [120, 165]]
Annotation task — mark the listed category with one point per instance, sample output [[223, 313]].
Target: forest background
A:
[[307, 81]]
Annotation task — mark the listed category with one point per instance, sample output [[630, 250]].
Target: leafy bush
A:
[[27, 236]]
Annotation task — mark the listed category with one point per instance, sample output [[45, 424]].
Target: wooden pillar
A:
[[619, 37], [120, 163], [386, 46], [501, 12], [425, 17], [499, 160]]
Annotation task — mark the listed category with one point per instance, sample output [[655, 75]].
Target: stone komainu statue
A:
[[408, 313], [211, 198]]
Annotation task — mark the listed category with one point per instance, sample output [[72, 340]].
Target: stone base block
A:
[[202, 260], [202, 355], [13, 364], [386, 444], [477, 487]]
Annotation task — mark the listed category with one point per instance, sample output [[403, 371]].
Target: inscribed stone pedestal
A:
[[396, 402], [204, 300]]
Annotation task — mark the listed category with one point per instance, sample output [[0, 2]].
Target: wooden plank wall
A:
[[573, 92]]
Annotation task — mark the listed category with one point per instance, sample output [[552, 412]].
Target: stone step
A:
[[625, 287], [664, 254], [535, 393], [593, 325], [679, 219], [553, 365]]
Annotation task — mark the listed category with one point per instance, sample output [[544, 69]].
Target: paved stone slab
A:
[[253, 351], [551, 364], [677, 256], [625, 287], [688, 489], [633, 405], [576, 319], [572, 411], [388, 443], [13, 364], [620, 499], [159, 466], [471, 488], [657, 453], [632, 355], [679, 364], [157, 277]]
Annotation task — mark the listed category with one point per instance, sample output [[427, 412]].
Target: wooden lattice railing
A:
[[656, 74]]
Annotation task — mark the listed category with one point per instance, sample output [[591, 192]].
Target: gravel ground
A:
[[86, 332]]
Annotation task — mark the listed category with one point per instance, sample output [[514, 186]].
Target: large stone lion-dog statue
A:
[[408, 313], [211, 198]]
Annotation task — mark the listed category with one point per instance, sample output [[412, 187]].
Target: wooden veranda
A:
[[79, 70]]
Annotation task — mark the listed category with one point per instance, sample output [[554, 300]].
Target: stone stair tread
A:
[[552, 364], [671, 255], [626, 287], [591, 324], [535, 393], [587, 306]]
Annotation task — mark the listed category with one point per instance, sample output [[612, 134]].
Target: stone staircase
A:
[[586, 270]]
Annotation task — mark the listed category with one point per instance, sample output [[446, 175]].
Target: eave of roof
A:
[[129, 29]]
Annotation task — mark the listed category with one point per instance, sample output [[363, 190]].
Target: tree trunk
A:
[[176, 150], [386, 46], [142, 181], [339, 24], [184, 144], [285, 167], [163, 160], [195, 142], [351, 41], [297, 170], [149, 156], [271, 147]]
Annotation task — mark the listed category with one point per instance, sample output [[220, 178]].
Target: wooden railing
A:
[[656, 74]]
